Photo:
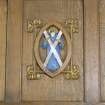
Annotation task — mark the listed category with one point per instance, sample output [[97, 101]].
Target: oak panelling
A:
[[100, 103], [45, 103], [3, 16], [57, 88], [91, 54], [32, 90], [14, 51], [102, 47]]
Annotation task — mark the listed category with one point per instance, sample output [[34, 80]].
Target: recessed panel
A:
[[57, 88]]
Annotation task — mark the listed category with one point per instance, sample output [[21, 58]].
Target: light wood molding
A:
[[14, 51], [3, 22], [91, 47]]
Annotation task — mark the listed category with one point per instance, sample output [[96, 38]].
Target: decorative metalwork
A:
[[69, 74], [32, 25], [72, 25], [31, 74], [72, 72]]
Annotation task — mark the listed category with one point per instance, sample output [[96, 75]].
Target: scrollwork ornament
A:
[[72, 73], [33, 25], [31, 74], [72, 25]]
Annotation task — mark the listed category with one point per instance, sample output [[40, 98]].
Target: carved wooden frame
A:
[[36, 49]]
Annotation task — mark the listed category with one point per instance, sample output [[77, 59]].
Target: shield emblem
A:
[[52, 49]]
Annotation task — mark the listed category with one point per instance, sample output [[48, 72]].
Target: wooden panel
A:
[[57, 88], [14, 38], [101, 103], [3, 15], [45, 103], [91, 54], [102, 47]]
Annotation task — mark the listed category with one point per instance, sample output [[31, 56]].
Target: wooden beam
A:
[[91, 53], [14, 51], [3, 15]]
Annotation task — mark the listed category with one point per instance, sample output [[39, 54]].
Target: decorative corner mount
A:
[[72, 72], [34, 24], [72, 25], [31, 74]]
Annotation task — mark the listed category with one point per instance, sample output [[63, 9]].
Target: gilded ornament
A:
[[31, 74]]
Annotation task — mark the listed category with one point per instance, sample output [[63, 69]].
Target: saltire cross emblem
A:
[[53, 48]]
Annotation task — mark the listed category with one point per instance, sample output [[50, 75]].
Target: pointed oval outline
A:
[[36, 49]]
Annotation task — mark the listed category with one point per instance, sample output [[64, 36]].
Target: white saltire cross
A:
[[53, 46]]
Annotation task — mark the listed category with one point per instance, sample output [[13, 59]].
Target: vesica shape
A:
[[52, 49]]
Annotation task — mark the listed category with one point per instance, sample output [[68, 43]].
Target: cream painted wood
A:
[[3, 16], [14, 51]]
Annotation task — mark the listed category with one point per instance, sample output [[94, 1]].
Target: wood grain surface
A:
[[3, 16], [14, 51], [91, 46], [58, 88], [102, 48]]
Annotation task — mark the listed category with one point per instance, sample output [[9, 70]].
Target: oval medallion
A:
[[52, 49]]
